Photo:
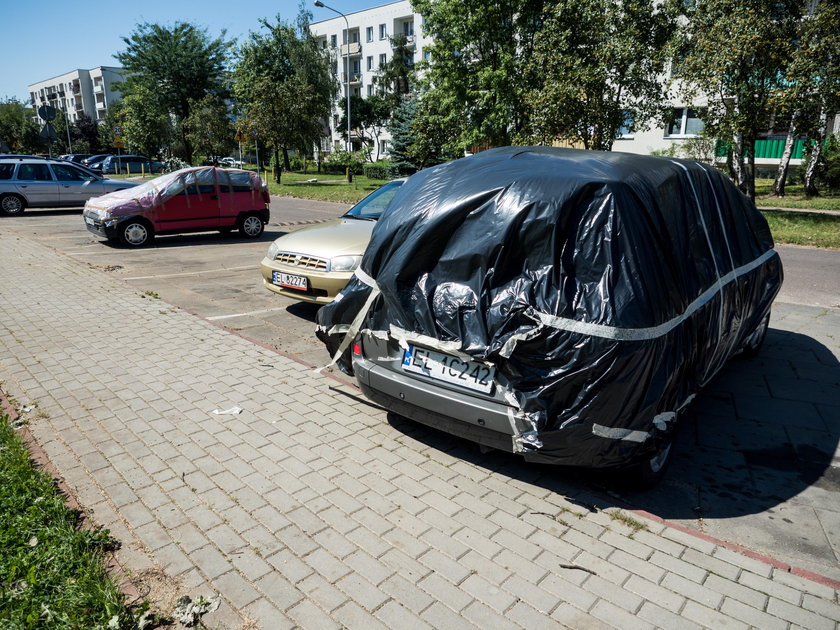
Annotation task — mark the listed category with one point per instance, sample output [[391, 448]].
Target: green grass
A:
[[794, 198], [804, 228], [326, 188], [52, 572]]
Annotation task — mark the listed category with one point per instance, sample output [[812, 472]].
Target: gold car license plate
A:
[[289, 280], [449, 369]]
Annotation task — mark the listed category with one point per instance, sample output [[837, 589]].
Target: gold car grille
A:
[[301, 260]]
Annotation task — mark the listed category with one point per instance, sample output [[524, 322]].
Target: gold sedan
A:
[[314, 263]]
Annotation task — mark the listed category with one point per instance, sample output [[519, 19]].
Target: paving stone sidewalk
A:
[[312, 508]]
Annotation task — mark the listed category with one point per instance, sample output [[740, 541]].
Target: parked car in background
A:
[[561, 304], [75, 157], [94, 162], [314, 263], [195, 199], [229, 162], [33, 182], [127, 165]]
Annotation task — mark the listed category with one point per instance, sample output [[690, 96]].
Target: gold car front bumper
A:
[[322, 286]]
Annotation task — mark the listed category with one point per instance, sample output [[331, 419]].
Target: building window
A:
[[383, 33], [370, 63], [357, 66], [408, 29], [382, 60], [357, 92], [333, 40], [369, 34], [354, 37], [628, 127], [370, 90], [684, 122], [427, 56]]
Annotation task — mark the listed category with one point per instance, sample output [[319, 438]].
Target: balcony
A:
[[355, 78], [97, 88], [352, 49], [397, 39]]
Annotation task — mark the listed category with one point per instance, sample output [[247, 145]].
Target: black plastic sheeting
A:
[[606, 287]]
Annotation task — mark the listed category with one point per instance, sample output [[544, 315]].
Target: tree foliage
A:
[[370, 116], [209, 127], [145, 121], [474, 86], [735, 53], [283, 85], [178, 64], [595, 65], [17, 129]]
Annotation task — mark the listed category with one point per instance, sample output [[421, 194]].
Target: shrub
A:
[[338, 161], [377, 170]]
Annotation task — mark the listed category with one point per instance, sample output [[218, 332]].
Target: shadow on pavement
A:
[[765, 431], [167, 241]]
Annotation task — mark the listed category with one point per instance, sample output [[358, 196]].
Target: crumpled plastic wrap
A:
[[197, 181], [606, 288]]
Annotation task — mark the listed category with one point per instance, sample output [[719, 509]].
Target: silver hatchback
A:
[[32, 183]]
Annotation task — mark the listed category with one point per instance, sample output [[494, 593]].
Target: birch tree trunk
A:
[[738, 161], [784, 162], [816, 153]]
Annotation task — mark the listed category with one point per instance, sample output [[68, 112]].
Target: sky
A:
[[45, 39]]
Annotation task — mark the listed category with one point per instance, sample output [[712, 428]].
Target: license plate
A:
[[88, 220], [288, 280], [449, 369]]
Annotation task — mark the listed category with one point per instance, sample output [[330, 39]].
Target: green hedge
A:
[[377, 170]]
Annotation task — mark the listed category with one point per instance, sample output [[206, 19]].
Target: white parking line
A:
[[194, 273], [265, 310]]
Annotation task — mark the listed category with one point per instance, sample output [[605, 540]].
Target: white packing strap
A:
[[407, 338], [356, 324], [617, 433], [645, 334]]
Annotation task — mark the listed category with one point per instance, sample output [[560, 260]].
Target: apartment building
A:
[[78, 92], [367, 45]]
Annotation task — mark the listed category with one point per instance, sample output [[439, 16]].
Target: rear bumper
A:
[[473, 418]]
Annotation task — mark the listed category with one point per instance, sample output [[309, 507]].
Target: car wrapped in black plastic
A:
[[563, 304]]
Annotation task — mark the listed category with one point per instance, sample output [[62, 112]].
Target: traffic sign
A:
[[118, 143], [117, 131], [46, 112], [238, 136], [48, 133]]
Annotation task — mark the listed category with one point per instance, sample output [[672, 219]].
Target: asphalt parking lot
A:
[[758, 466]]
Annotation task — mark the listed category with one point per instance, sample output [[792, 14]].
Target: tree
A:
[[85, 134], [597, 65], [209, 127], [179, 64], [370, 116], [145, 121], [473, 88], [815, 71], [735, 53], [399, 127], [396, 77], [17, 127], [284, 87]]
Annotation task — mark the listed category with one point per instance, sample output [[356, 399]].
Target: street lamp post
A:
[[318, 3]]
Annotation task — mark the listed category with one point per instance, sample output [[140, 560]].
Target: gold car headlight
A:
[[345, 263], [272, 251]]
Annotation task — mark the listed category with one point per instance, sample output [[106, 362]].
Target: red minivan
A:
[[189, 200]]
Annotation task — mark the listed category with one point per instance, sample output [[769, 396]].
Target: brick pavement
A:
[[313, 509]]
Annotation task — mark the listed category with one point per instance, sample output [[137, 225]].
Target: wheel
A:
[[752, 344], [251, 226], [12, 204], [136, 233]]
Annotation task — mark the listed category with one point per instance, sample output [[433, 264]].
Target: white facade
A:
[[368, 45], [77, 92]]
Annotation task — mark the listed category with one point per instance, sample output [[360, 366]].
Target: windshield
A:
[[372, 206]]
